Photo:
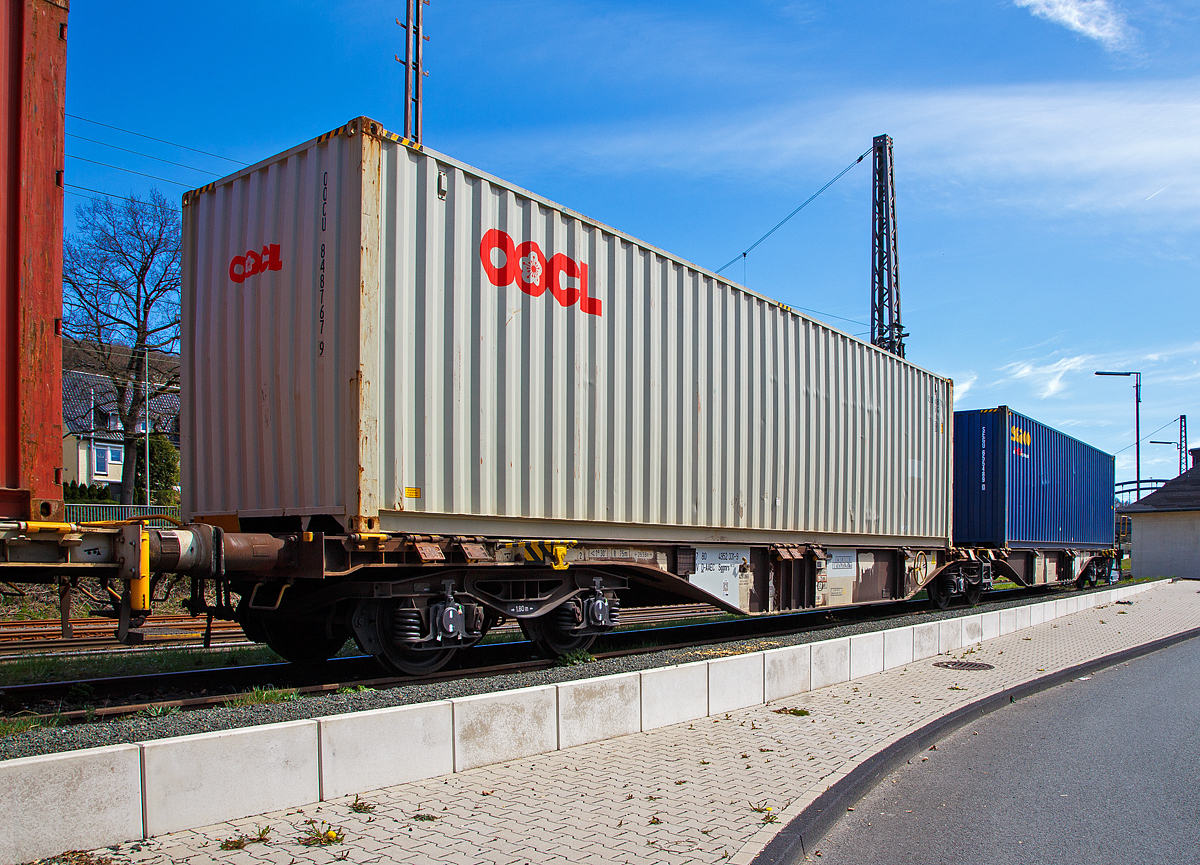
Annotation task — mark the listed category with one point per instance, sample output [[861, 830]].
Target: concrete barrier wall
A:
[[363, 751], [925, 640], [786, 672], [672, 695], [830, 662], [590, 710], [949, 635], [208, 778], [866, 654], [492, 728], [898, 647], [78, 800], [102, 796], [735, 682]]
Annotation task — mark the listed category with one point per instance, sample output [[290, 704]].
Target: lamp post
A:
[[1137, 424]]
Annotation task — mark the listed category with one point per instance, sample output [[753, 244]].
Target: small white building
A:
[[1166, 527]]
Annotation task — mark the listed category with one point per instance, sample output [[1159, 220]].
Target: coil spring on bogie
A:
[[566, 617], [614, 610], [406, 625]]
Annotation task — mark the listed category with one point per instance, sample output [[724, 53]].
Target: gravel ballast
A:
[[140, 728]]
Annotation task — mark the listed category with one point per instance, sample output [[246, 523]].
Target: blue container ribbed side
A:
[[1019, 483]]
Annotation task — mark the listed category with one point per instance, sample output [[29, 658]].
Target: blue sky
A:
[[1047, 170]]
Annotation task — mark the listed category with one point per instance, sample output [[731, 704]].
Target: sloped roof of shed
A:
[[1181, 494]]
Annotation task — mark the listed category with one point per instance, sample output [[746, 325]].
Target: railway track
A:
[[189, 690], [28, 636], [45, 635]]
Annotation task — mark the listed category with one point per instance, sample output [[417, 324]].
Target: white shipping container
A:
[[380, 333]]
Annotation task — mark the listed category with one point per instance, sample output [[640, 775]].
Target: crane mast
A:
[[886, 329]]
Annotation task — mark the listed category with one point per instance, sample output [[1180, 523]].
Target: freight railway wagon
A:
[[429, 401], [1031, 505]]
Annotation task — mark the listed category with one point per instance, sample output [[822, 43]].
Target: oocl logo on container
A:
[[528, 266], [244, 266]]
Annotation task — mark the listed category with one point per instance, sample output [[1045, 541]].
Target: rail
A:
[[22, 636]]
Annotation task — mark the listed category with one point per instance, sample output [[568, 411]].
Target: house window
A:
[[114, 455], [101, 461]]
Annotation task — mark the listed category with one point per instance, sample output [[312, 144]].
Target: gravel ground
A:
[[138, 728]]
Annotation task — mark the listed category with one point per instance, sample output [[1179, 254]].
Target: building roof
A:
[[1181, 494], [83, 393]]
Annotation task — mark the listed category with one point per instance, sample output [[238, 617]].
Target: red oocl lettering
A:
[[527, 266], [253, 263]]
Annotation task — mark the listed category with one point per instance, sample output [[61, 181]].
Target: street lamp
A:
[[1137, 424]]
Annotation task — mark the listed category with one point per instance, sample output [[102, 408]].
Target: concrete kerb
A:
[[830, 663], [990, 624], [70, 801], [508, 725], [866, 654], [672, 695], [925, 640], [190, 781], [359, 753], [972, 629], [786, 672], [169, 787], [898, 647], [950, 635], [736, 682], [590, 710]]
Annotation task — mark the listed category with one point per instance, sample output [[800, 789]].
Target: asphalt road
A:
[[1096, 771]]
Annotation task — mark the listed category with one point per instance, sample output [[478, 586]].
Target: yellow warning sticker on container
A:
[[412, 492]]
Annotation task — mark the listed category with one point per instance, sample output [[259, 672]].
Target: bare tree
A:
[[121, 304]]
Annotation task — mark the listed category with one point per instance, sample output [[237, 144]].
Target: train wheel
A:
[[550, 633], [251, 623], [974, 594], [940, 590], [388, 631], [302, 642], [1093, 573], [412, 662]]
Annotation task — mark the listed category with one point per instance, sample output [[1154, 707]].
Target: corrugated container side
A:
[[678, 400], [32, 101], [267, 415], [1020, 483]]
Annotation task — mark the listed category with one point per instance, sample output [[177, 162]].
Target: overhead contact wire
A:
[[146, 155], [807, 202], [159, 140], [71, 186], [130, 170], [1171, 422]]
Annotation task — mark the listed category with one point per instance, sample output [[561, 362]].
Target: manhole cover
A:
[[964, 665]]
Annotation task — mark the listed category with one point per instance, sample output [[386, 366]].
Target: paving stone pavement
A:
[[713, 790]]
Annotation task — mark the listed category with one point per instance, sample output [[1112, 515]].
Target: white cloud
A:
[[1046, 378], [1057, 150], [962, 386], [1095, 19]]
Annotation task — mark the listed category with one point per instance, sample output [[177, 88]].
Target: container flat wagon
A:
[[1031, 504], [441, 401]]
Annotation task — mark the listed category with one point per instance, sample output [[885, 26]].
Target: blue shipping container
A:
[[1021, 484]]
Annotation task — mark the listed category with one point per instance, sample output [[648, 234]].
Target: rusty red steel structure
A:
[[32, 104]]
